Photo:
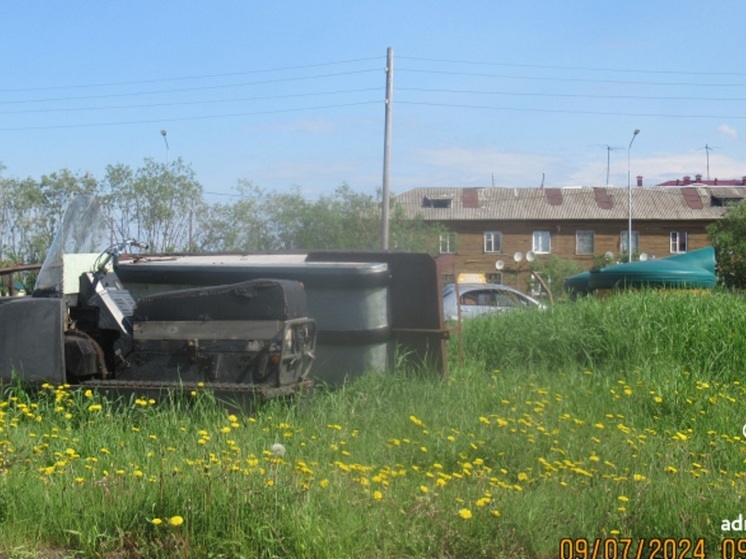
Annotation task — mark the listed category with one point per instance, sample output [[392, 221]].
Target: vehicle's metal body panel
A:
[[31, 339]]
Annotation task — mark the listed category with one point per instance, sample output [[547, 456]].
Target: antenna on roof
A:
[[493, 180], [542, 180], [708, 149], [608, 160]]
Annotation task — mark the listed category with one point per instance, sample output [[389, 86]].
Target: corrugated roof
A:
[[572, 203]]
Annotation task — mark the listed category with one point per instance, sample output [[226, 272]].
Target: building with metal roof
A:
[[491, 230]]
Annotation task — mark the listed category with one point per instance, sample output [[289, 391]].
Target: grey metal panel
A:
[[334, 365], [32, 339], [349, 300], [207, 329]]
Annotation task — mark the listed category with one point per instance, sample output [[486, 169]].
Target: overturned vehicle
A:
[[82, 327]]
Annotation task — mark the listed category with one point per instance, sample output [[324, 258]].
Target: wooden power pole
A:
[[387, 150]]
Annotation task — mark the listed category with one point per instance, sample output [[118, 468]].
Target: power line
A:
[[568, 111], [183, 119], [191, 103], [575, 68], [187, 89], [569, 79], [184, 78], [570, 95]]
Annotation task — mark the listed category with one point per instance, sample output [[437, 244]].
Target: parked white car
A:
[[483, 298]]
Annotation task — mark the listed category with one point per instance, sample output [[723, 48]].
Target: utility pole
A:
[[629, 196], [387, 150]]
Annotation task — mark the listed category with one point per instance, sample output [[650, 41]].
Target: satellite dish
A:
[[609, 255], [530, 256], [643, 256], [518, 256], [499, 265]]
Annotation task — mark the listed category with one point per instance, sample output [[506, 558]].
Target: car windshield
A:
[[83, 230]]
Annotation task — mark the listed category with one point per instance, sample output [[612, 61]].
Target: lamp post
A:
[[163, 133], [629, 196]]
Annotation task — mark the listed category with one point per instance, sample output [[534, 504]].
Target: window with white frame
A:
[[447, 243], [493, 241], [585, 242], [542, 242], [678, 242], [623, 244]]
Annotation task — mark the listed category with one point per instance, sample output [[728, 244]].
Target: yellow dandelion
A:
[[465, 514], [377, 495], [623, 499], [176, 521], [156, 521], [416, 421]]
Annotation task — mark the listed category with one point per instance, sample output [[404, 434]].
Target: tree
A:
[[553, 271], [344, 220], [158, 203], [30, 212], [413, 234], [728, 237], [238, 226]]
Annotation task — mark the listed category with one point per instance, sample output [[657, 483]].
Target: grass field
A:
[[616, 418]]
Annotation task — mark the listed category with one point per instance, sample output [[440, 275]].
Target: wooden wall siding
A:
[[654, 240]]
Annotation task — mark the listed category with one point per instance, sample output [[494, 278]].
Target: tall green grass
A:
[[545, 432], [700, 332]]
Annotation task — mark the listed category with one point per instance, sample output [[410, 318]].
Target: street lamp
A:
[[163, 133], [629, 196]]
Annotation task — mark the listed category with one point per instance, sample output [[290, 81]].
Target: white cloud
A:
[[456, 166], [727, 130]]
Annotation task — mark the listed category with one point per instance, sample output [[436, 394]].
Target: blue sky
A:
[[291, 93]]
